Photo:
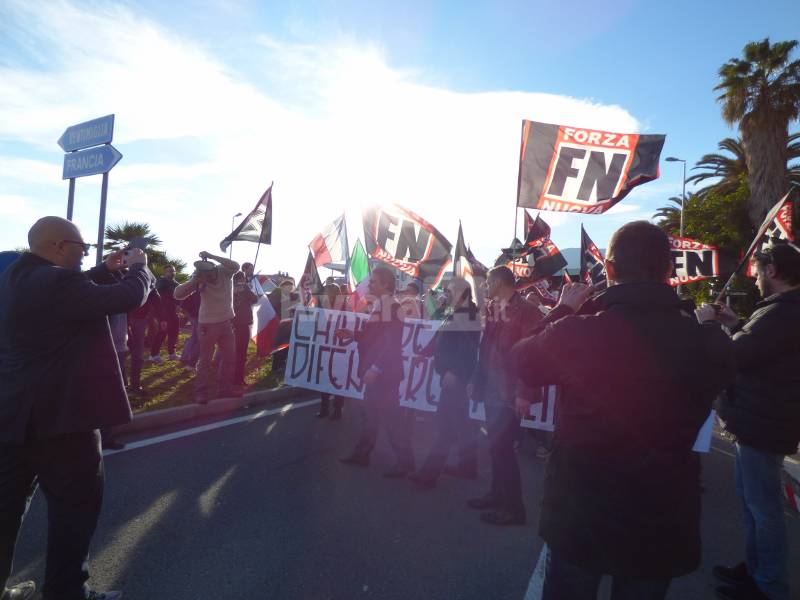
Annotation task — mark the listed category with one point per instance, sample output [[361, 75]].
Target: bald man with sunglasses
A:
[[60, 382]]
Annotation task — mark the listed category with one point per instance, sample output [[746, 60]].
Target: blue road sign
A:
[[88, 134], [90, 162]]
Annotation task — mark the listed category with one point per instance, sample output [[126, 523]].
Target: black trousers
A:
[[69, 469], [170, 334], [241, 342], [502, 425], [381, 410], [325, 402], [453, 426]]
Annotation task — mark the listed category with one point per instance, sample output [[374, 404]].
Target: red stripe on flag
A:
[[322, 256]]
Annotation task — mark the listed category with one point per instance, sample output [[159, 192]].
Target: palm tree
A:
[[120, 236], [730, 169], [762, 94], [670, 216]]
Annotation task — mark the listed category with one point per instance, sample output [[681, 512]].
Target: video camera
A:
[[137, 242]]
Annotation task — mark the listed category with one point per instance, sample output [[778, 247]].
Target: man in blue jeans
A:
[[638, 377], [762, 410]]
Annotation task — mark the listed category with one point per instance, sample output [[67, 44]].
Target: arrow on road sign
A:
[[90, 162], [88, 134]]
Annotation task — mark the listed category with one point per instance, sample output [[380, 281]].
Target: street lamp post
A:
[[233, 219], [683, 198], [683, 192]]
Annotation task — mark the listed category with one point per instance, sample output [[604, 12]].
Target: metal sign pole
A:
[[102, 228], [71, 198]]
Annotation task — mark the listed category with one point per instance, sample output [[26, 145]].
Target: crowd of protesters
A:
[[638, 373]]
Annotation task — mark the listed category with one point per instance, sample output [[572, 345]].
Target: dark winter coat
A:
[[166, 291], [494, 380], [762, 408], [622, 490], [243, 301], [380, 344], [456, 346], [58, 368]]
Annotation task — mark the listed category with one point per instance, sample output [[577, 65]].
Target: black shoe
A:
[[397, 472], [422, 481], [21, 591], [104, 595], [461, 472], [322, 414], [112, 444], [735, 576], [484, 502], [357, 460], [742, 592], [503, 517]]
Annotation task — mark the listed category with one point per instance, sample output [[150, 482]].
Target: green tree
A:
[[761, 93], [721, 220]]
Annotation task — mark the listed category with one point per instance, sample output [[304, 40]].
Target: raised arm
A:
[[229, 264]]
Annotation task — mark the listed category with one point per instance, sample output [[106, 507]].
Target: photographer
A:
[[762, 410], [59, 382], [214, 283]]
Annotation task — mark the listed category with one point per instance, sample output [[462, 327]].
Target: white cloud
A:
[[355, 132]]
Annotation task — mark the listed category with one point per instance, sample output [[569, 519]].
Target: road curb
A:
[[170, 416]]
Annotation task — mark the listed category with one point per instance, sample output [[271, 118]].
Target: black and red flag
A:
[[692, 261], [592, 265], [404, 240], [545, 257], [572, 169], [777, 228], [466, 266], [310, 286], [529, 221]]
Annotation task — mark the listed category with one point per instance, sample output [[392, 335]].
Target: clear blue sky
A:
[[656, 61]]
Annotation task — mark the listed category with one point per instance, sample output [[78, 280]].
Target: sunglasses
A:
[[83, 245]]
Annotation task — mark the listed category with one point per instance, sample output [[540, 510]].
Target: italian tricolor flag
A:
[[358, 274]]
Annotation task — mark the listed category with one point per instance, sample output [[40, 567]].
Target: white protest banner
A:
[[318, 361], [541, 416]]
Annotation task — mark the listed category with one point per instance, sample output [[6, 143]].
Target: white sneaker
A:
[[174, 357], [189, 369], [156, 359]]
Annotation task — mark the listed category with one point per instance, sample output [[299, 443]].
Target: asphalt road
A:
[[263, 509]]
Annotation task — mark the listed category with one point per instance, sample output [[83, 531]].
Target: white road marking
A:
[[160, 439]]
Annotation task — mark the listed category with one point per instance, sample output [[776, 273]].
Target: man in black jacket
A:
[[509, 318], [380, 367], [165, 286], [762, 409], [59, 382], [638, 377], [455, 354]]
